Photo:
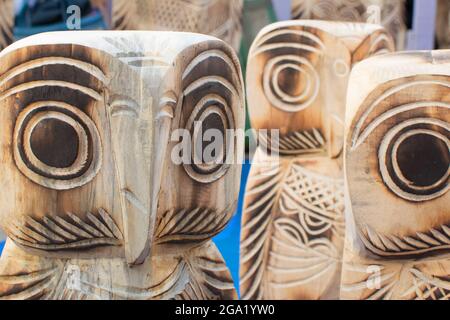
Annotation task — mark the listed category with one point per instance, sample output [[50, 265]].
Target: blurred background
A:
[[36, 16]]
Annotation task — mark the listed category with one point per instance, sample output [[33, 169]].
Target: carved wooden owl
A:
[[219, 18], [93, 204], [391, 14], [6, 23], [293, 222], [443, 24], [397, 169]]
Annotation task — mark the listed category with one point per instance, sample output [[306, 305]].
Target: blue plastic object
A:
[[2, 244], [228, 240]]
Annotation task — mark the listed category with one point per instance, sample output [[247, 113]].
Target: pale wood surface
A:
[[443, 24], [397, 171], [6, 23], [391, 13], [219, 18], [293, 221], [106, 198]]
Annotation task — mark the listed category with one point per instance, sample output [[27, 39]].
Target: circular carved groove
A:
[[414, 159], [211, 112], [281, 93], [56, 145]]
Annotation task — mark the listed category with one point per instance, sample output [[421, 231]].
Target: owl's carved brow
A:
[[359, 135], [261, 45], [51, 83], [49, 61], [205, 56]]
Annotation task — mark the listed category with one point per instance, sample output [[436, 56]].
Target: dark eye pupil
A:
[[55, 143], [423, 159], [213, 121]]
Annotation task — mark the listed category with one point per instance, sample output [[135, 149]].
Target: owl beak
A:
[[141, 206]]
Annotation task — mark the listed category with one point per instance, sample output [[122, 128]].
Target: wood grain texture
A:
[[443, 24], [293, 221], [89, 178], [6, 23], [397, 169], [391, 14], [219, 18]]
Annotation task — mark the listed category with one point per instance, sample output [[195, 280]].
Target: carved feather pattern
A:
[[291, 217], [33, 284], [377, 282], [200, 274], [297, 143], [257, 221], [318, 201], [210, 278], [428, 287], [296, 258], [194, 225], [70, 233], [420, 243], [382, 282]]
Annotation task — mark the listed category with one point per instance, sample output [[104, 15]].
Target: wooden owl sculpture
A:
[[94, 204], [443, 24], [397, 168], [219, 18], [293, 221], [6, 23], [391, 14]]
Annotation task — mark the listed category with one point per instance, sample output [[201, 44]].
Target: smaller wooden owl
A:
[[219, 18], [94, 205], [397, 162], [293, 221], [391, 14]]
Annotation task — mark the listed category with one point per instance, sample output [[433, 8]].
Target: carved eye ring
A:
[[424, 138], [76, 164], [278, 95], [210, 107]]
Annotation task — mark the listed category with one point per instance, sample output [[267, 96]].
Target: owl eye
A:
[[211, 113], [415, 159], [211, 92], [290, 81], [56, 145], [413, 155]]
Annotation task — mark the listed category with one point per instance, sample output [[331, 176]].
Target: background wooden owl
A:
[[293, 221], [391, 14], [6, 23], [397, 169], [219, 18], [443, 24], [93, 204]]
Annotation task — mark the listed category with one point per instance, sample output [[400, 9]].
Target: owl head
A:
[[297, 81], [87, 142], [398, 155]]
